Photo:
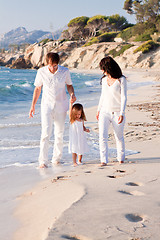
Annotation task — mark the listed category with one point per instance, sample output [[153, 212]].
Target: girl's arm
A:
[[85, 129]]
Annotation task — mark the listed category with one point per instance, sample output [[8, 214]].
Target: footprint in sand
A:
[[118, 176], [134, 193], [115, 176], [66, 236], [60, 178], [133, 184], [134, 217]]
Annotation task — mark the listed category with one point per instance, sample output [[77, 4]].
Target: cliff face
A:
[[75, 55]]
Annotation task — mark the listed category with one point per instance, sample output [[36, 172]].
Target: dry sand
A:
[[118, 202]]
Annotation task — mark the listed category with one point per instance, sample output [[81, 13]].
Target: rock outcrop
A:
[[74, 54]]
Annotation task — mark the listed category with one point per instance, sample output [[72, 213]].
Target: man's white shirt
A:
[[54, 93]]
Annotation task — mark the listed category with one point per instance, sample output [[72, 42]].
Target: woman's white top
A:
[[77, 139], [113, 98]]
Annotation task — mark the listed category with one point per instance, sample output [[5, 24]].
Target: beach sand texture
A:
[[118, 202]]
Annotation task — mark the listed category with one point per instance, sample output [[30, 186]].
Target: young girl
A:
[[77, 140]]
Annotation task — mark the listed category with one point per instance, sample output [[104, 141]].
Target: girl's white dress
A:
[[77, 139]]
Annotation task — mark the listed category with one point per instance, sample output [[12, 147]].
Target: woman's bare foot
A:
[[43, 166], [75, 164]]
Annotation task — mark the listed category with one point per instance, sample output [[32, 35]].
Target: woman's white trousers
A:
[[105, 119]]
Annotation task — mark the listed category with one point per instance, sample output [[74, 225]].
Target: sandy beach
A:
[[117, 202]]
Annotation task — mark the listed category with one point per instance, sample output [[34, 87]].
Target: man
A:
[[54, 105]]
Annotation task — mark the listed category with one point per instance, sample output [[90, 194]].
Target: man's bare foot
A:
[[103, 164], [43, 166], [75, 164], [120, 162]]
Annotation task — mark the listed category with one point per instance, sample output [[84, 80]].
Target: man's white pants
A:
[[48, 116], [104, 121]]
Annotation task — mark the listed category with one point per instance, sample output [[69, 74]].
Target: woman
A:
[[111, 108]]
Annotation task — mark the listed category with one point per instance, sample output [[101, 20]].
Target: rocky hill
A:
[[75, 55], [20, 35]]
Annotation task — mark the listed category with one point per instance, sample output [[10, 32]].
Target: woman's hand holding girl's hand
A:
[[120, 119], [97, 115]]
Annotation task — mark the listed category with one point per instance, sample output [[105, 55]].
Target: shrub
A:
[[116, 53], [107, 37], [44, 41], [91, 41], [143, 37], [126, 33], [147, 47]]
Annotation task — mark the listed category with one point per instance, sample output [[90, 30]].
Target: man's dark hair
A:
[[109, 65], [54, 57]]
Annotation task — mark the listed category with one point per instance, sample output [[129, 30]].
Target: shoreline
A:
[[80, 179]]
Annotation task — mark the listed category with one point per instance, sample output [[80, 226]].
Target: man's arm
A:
[[36, 94], [70, 90]]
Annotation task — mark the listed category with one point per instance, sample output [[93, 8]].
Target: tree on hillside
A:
[[143, 9], [76, 28], [117, 23], [95, 24]]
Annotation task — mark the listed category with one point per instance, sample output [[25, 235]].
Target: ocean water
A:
[[19, 135]]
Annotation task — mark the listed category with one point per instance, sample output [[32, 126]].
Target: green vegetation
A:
[[78, 20], [147, 47], [96, 18], [144, 10], [123, 48], [139, 32], [143, 37], [91, 41], [44, 41], [107, 37]]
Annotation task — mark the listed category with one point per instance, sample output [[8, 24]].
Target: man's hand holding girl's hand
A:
[[72, 98]]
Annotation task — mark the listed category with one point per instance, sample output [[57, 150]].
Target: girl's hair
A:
[[75, 108], [110, 66]]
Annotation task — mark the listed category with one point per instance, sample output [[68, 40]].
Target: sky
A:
[[51, 15]]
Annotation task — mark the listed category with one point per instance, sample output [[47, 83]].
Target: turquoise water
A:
[[19, 135]]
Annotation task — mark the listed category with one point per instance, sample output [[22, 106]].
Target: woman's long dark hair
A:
[[109, 65]]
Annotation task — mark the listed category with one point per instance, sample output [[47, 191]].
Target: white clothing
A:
[[111, 105], [54, 94], [77, 139], [54, 106], [49, 115], [113, 98], [104, 121]]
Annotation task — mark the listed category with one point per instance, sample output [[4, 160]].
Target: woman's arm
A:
[[123, 95], [123, 99]]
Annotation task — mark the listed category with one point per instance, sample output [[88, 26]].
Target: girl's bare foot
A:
[[43, 166], [80, 163], [75, 164]]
